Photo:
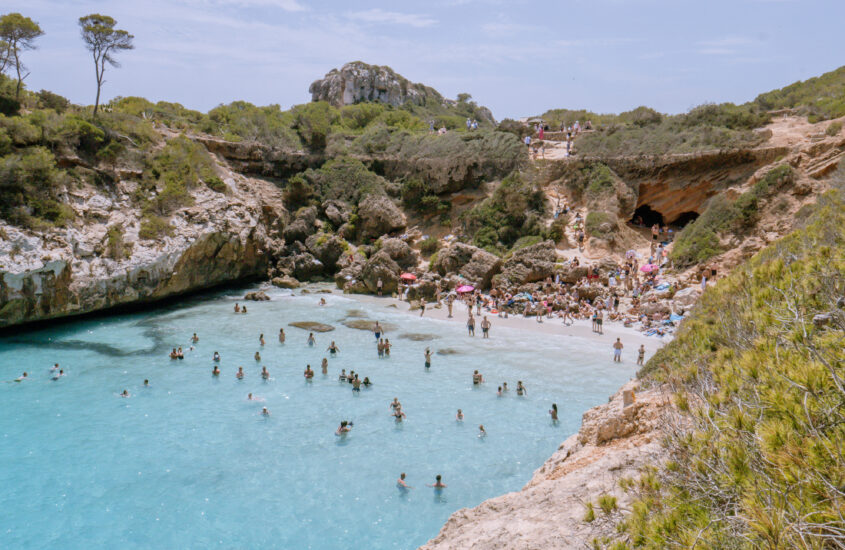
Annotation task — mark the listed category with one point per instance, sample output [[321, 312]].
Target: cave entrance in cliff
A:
[[684, 219], [645, 215]]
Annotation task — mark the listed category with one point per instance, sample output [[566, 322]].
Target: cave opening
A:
[[684, 219], [646, 216]]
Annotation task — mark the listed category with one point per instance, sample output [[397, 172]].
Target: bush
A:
[[429, 246], [116, 248], [504, 217], [216, 184], [313, 122], [242, 121], [833, 128], [342, 178], [589, 512], [153, 227], [698, 241], [49, 100], [607, 503], [602, 225], [818, 98]]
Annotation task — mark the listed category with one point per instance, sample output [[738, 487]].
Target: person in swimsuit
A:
[[265, 412], [281, 336], [174, 354], [471, 325], [324, 366], [380, 348], [449, 301], [124, 393], [617, 351], [366, 382], [351, 376], [438, 483], [460, 416], [333, 349], [395, 404], [322, 301], [195, 338], [243, 310], [499, 391], [427, 358], [386, 347], [422, 307], [477, 378], [379, 285], [265, 374], [342, 377], [504, 386], [215, 371], [58, 374], [520, 389], [377, 330], [257, 357], [261, 339], [401, 482], [482, 433], [553, 412], [309, 374], [356, 384], [216, 356], [240, 373], [146, 383], [344, 428], [398, 414], [485, 328], [180, 354], [600, 322], [237, 308], [311, 339], [641, 355]]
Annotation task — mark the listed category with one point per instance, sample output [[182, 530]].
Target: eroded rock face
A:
[[381, 266], [358, 82], [303, 225], [326, 248], [401, 253], [530, 264], [378, 216], [477, 265]]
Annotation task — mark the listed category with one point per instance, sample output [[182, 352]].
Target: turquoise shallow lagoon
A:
[[191, 463]]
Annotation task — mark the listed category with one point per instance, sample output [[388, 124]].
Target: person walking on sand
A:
[[379, 285], [422, 307], [640, 355], [449, 301], [600, 321], [485, 328], [617, 351]]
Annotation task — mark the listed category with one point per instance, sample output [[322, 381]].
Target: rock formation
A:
[[358, 82]]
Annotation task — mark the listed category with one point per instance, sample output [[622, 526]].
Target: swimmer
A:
[[324, 366], [386, 347], [377, 330], [401, 482], [173, 354], [54, 367], [146, 383], [265, 412], [333, 349], [309, 374], [356, 384], [261, 339], [257, 356], [342, 377], [395, 404], [460, 416], [22, 377], [311, 339], [216, 356], [520, 389], [281, 336], [398, 414], [438, 483], [504, 386], [344, 428], [180, 354], [215, 371], [351, 376], [265, 374], [553, 412], [477, 378], [243, 310], [195, 338], [499, 391], [366, 382], [237, 308], [322, 301], [249, 397], [240, 373], [481, 431], [125, 393], [427, 358], [59, 374]]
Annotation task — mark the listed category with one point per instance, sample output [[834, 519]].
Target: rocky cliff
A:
[[101, 262], [358, 82], [615, 441]]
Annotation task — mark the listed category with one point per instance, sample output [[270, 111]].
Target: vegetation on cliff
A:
[[818, 98], [758, 369]]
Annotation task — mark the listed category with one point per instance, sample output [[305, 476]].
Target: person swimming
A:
[[520, 389], [366, 382], [240, 373], [195, 338], [265, 412], [553, 412], [215, 371], [257, 356], [146, 383], [481, 431], [265, 374], [322, 301], [344, 428], [261, 339], [124, 393], [243, 309], [59, 374], [460, 416], [311, 339], [401, 482], [333, 349], [309, 374], [499, 391], [54, 367], [504, 386], [281, 336], [216, 356], [438, 483]]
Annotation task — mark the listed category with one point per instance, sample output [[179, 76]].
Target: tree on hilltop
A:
[[17, 34], [103, 41]]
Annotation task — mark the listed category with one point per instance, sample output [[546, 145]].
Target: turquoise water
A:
[[190, 463]]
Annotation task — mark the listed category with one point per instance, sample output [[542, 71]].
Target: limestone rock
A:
[[378, 215], [358, 82], [326, 248], [257, 296], [306, 266], [530, 264], [381, 266], [312, 326], [337, 212], [685, 298], [401, 253], [303, 225], [285, 282], [477, 265]]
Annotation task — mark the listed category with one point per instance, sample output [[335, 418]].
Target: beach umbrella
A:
[[465, 288], [408, 277], [648, 268]]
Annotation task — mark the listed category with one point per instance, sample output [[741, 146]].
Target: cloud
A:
[[377, 15], [286, 5]]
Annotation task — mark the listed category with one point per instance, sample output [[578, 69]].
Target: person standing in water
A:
[[471, 325], [401, 482], [482, 433], [281, 336], [460, 416], [422, 307], [438, 483], [553, 412], [311, 339], [333, 349], [240, 374], [449, 302], [195, 338], [427, 358], [520, 389], [309, 374], [387, 347], [377, 330], [237, 308], [261, 339], [617, 351], [485, 327], [324, 366], [641, 355]]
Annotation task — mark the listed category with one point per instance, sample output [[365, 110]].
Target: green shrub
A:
[[153, 227], [607, 503], [602, 225], [818, 98], [833, 128], [49, 100], [429, 246], [510, 213], [698, 241], [116, 248], [589, 512], [342, 178], [557, 230], [313, 122], [242, 121], [526, 241], [216, 184]]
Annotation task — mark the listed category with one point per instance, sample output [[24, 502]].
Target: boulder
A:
[[257, 296], [350, 273], [686, 297], [337, 212], [530, 264], [306, 266], [401, 253], [383, 267], [285, 282], [473, 263], [572, 275], [378, 215], [312, 326], [326, 248], [424, 289], [303, 225], [652, 308], [358, 82]]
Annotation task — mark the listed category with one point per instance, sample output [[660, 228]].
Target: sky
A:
[[518, 57]]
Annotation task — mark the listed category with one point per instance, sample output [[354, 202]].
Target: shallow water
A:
[[190, 463]]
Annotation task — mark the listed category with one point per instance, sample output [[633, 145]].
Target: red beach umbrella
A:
[[648, 268], [465, 288], [408, 277]]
